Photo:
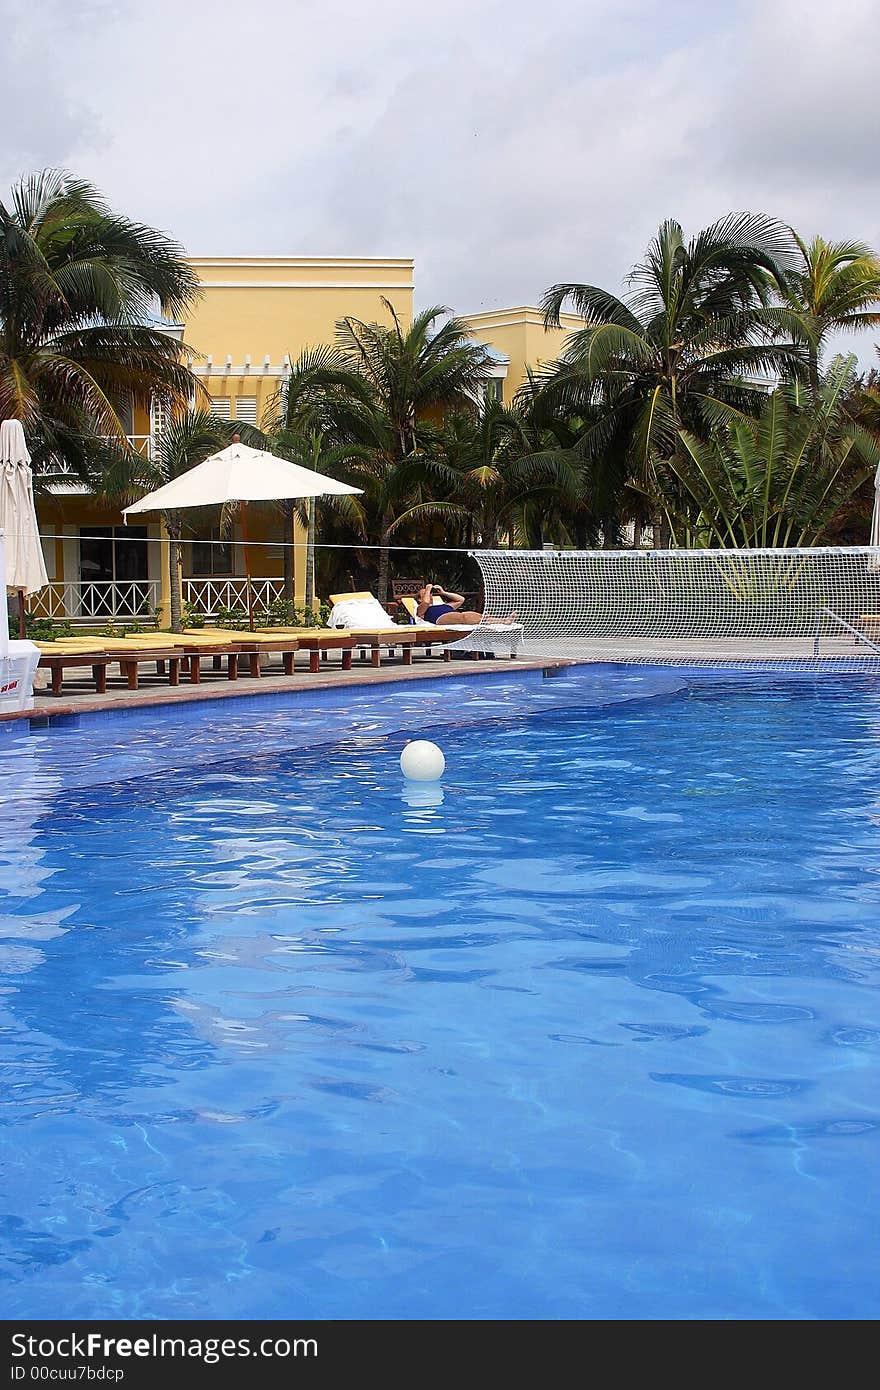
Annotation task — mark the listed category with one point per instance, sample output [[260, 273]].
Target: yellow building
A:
[[255, 316], [520, 337]]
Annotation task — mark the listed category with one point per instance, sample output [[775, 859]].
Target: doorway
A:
[[111, 555]]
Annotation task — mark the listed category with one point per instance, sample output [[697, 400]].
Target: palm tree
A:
[[783, 478], [406, 377], [685, 345], [79, 290], [492, 472], [300, 424], [834, 288], [314, 449], [547, 428], [863, 401]]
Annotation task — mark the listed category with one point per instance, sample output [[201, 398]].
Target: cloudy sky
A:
[[504, 145]]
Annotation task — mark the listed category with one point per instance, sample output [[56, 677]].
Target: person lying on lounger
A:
[[440, 606]]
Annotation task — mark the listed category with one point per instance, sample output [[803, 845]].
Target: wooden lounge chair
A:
[[56, 659], [180, 655], [419, 634], [289, 640], [255, 644], [195, 646], [452, 632], [318, 643], [171, 653], [130, 659], [446, 633], [130, 663], [379, 638], [192, 646]]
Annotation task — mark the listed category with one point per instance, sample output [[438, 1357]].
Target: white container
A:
[[18, 660], [17, 676]]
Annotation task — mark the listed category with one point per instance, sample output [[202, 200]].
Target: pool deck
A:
[[670, 651], [79, 697]]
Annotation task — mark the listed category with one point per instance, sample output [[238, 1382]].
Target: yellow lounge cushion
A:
[[278, 634], [245, 636], [306, 631], [72, 643], [57, 649]]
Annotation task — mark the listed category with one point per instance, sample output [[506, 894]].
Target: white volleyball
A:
[[422, 761]]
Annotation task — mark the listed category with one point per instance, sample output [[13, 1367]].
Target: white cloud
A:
[[506, 146]]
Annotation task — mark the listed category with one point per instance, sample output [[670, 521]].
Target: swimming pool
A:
[[590, 1030]]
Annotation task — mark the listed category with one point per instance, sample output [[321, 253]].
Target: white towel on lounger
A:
[[359, 613]]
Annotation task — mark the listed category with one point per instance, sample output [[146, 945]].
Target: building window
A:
[[110, 555], [222, 406], [159, 414], [211, 555], [246, 409], [494, 389]]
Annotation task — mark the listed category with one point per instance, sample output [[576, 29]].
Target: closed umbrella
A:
[[25, 566], [239, 474]]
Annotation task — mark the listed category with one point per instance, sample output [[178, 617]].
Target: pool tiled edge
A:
[[47, 708]]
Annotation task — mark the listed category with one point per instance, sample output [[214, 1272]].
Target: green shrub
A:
[[193, 616], [44, 629], [283, 612], [112, 629], [231, 617]]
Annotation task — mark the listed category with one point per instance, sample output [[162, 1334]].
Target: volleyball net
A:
[[817, 608]]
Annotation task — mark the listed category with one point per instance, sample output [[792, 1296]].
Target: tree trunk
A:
[[287, 510], [310, 556], [173, 527], [661, 531], [815, 379], [384, 557]]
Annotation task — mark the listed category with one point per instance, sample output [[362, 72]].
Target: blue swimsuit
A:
[[436, 611]]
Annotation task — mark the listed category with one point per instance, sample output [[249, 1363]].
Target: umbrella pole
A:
[[247, 567], [21, 613]]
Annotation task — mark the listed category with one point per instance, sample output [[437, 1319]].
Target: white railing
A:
[[136, 600], [208, 596], [142, 444], [61, 476], [98, 600]]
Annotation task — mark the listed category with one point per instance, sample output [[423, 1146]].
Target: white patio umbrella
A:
[[239, 474], [25, 566]]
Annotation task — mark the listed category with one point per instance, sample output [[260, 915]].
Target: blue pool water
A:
[[589, 1031]]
